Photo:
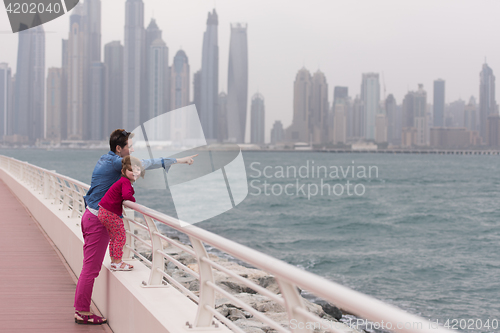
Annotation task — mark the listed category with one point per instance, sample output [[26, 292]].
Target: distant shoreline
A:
[[325, 150]]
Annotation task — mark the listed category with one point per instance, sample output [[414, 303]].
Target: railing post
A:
[[128, 213], [293, 300], [46, 185], [207, 294], [157, 260]]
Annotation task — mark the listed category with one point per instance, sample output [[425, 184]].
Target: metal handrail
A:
[[288, 277]]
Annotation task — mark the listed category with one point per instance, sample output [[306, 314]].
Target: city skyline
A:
[[383, 49]]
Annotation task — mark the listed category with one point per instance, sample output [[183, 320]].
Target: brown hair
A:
[[119, 137], [129, 161]]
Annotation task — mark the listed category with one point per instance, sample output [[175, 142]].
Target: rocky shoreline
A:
[[328, 313]]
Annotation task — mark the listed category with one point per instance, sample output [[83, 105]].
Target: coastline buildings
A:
[[298, 131], [318, 112], [113, 59], [29, 91], [370, 95], [439, 100], [209, 79], [393, 121], [277, 133], [257, 128], [237, 83], [134, 65], [222, 111], [54, 109], [179, 81], [487, 102], [5, 98], [77, 75], [414, 131]]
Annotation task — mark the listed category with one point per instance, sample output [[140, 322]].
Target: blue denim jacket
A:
[[108, 170]]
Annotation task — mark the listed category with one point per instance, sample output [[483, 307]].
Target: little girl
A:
[[110, 210]]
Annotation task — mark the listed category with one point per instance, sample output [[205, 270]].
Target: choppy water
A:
[[424, 236]]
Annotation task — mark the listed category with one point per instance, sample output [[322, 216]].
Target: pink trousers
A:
[[116, 231], [96, 239]]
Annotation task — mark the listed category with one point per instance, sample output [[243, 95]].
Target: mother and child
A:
[[111, 183]]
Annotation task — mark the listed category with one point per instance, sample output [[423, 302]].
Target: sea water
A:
[[421, 232]]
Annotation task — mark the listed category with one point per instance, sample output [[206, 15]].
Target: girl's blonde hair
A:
[[129, 161]]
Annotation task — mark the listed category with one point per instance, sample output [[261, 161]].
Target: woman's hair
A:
[[119, 137], [129, 161]]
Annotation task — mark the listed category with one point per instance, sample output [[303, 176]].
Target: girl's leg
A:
[[107, 219]]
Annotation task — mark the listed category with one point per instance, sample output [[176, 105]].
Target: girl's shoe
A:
[[89, 319], [121, 266]]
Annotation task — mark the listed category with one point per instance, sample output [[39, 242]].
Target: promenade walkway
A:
[[36, 285]]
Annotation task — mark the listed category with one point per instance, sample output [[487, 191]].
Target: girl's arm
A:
[[127, 191]]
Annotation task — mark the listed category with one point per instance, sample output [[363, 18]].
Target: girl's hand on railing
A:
[[187, 160]]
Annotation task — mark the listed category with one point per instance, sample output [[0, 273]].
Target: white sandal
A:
[[121, 266]]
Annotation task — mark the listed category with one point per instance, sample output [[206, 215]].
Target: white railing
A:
[[69, 194]]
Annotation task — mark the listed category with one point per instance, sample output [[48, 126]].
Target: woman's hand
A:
[[187, 160]]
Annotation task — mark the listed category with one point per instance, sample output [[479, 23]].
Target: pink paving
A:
[[36, 287]]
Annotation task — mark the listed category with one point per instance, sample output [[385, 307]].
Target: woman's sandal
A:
[[121, 266], [89, 319]]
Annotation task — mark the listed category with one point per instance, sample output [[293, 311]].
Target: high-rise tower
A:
[[258, 113], [487, 102], [299, 130], [209, 85], [179, 81], [318, 116], [5, 102], [439, 88], [29, 94], [113, 58], [370, 95], [237, 83], [134, 64]]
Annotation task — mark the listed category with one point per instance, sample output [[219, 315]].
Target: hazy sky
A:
[[409, 41]]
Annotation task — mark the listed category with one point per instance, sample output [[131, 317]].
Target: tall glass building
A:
[[237, 83]]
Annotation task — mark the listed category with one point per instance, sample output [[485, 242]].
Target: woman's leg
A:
[[96, 241]]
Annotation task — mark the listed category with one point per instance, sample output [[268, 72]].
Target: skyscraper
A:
[[197, 91], [298, 131], [179, 81], [64, 89], [318, 114], [237, 83], [470, 115], [159, 79], [358, 119], [393, 121], [54, 104], [95, 115], [487, 102], [257, 115], [414, 113], [29, 94], [370, 95], [222, 116], [5, 101], [339, 121], [277, 133], [340, 93], [134, 65], [113, 59], [209, 85], [78, 75], [439, 100], [152, 34]]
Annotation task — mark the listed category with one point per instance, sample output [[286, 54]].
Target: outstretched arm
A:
[[187, 160]]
